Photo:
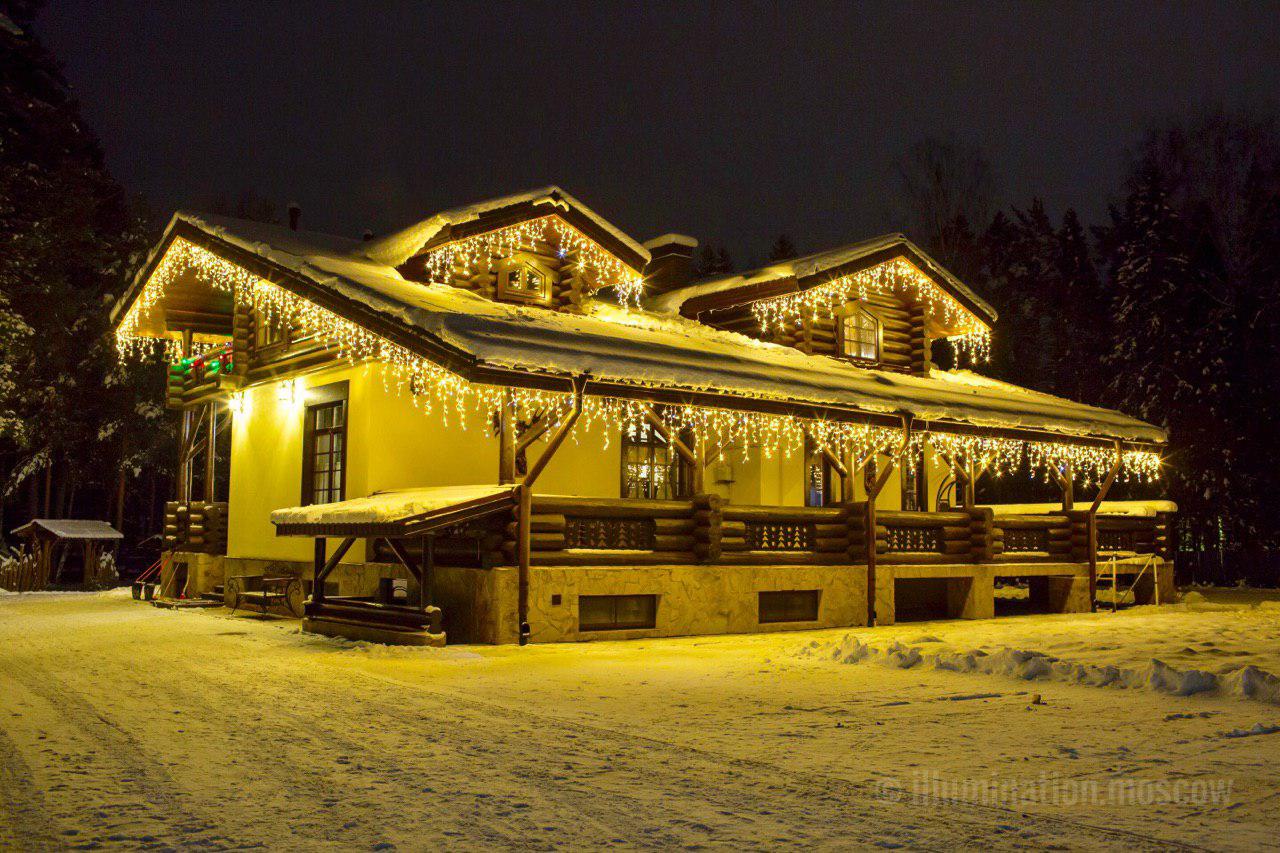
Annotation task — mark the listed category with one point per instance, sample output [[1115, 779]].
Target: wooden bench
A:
[[265, 592]]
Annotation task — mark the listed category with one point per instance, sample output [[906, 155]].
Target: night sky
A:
[[732, 122]]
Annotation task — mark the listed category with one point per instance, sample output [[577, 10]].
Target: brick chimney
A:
[[671, 263]]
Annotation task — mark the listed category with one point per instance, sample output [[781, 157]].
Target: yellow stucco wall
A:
[[393, 444]]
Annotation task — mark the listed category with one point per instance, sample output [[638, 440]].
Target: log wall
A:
[[903, 344]]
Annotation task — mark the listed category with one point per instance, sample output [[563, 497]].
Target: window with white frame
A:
[[859, 334]]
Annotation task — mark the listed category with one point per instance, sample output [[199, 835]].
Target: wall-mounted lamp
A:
[[290, 392]]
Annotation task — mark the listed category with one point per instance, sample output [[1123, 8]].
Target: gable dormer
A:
[[878, 304], [525, 277], [540, 248]]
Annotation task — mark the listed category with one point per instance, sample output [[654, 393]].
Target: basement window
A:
[[792, 605], [616, 612]]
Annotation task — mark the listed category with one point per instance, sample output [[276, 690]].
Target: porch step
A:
[[216, 594]]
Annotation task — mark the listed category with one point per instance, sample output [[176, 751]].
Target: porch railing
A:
[[571, 531]]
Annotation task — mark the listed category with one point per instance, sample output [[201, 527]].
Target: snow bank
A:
[[1244, 682]]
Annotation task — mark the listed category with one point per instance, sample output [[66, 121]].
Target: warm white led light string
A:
[[1004, 456], [475, 254], [434, 388], [895, 276]]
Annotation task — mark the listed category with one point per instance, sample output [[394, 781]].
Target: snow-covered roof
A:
[[396, 248], [819, 262], [645, 349], [69, 528], [387, 507]]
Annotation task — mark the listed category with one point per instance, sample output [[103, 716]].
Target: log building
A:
[[512, 421]]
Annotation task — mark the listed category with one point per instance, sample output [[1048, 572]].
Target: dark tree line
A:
[[80, 434], [1168, 310]]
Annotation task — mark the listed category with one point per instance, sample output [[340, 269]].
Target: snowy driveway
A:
[[129, 726]]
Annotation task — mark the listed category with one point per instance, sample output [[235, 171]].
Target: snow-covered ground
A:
[[129, 726]]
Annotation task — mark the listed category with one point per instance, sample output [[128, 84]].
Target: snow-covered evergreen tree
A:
[[71, 237]]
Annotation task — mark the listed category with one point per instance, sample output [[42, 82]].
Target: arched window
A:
[[859, 334]]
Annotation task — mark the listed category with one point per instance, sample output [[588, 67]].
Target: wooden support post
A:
[[870, 533], [211, 452], [1093, 525], [325, 567], [428, 571], [562, 431], [406, 560], [874, 487], [317, 571], [507, 439], [699, 485], [524, 496], [842, 471], [182, 477], [524, 521], [660, 427]]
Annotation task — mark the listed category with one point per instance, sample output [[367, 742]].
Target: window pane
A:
[[324, 417], [339, 414], [321, 483], [323, 442]]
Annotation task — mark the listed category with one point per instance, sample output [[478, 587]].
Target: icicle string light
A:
[[475, 254], [434, 388], [896, 276], [1004, 456]]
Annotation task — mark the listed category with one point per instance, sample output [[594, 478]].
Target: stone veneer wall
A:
[[692, 599]]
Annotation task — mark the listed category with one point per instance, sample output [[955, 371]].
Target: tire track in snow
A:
[[156, 805], [514, 782], [872, 799], [304, 740], [25, 821]]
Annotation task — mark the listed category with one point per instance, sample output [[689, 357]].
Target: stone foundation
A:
[[692, 599], [480, 605]]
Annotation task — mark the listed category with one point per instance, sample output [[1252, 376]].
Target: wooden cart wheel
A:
[[294, 598], [231, 592]]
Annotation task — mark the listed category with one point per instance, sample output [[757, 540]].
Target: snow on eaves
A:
[[811, 265], [396, 248], [642, 348]]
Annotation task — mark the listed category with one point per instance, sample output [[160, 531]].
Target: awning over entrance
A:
[[395, 514]]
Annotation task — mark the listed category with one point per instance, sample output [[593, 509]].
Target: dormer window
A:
[[524, 280], [859, 334]]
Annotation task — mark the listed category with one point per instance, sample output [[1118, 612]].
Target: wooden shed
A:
[[69, 550]]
